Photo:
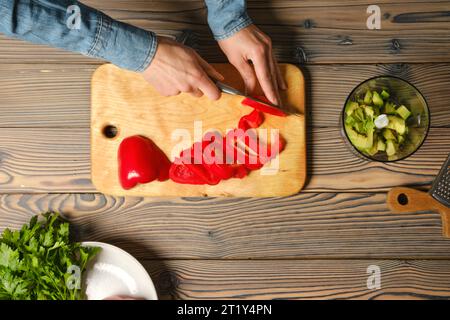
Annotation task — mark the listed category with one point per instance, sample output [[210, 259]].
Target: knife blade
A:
[[230, 90]]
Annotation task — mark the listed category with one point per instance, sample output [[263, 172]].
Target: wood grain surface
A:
[[58, 160], [318, 279], [301, 32], [58, 95], [167, 121], [316, 244], [306, 226], [401, 200]]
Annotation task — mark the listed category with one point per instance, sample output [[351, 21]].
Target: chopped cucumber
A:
[[368, 97], [403, 112], [388, 134], [381, 146], [373, 151], [369, 111], [359, 127], [350, 120], [360, 116], [389, 108], [391, 148], [351, 106], [397, 124], [377, 100], [358, 140]]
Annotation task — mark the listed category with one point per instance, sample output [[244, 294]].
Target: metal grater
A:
[[440, 190]]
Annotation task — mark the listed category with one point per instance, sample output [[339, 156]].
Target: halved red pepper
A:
[[141, 161]]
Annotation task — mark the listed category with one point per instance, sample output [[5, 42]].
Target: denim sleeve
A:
[[226, 17], [70, 25]]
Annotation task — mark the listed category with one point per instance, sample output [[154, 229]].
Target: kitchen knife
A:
[[401, 199], [230, 90]]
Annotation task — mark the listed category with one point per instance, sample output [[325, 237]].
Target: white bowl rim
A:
[[131, 257]]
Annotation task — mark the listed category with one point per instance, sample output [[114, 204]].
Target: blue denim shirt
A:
[[72, 26]]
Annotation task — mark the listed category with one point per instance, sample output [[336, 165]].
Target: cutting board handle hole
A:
[[402, 199], [110, 131]]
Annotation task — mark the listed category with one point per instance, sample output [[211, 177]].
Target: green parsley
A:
[[39, 262]]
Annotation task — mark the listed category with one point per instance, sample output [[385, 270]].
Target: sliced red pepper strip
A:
[[263, 107], [251, 121], [240, 171], [181, 173], [235, 161], [239, 155]]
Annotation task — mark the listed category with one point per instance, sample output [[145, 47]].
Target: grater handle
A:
[[402, 200]]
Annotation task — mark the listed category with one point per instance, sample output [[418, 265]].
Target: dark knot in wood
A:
[[300, 55]]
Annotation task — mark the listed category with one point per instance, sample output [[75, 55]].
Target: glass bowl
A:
[[401, 93]]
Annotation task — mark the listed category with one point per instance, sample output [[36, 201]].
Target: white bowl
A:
[[115, 272]]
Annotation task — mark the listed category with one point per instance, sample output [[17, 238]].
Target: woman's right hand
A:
[[176, 68]]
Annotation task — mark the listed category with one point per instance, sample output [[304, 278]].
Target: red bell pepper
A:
[[251, 121], [192, 174], [263, 107], [141, 161], [209, 161]]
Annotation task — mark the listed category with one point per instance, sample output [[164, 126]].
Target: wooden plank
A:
[[45, 95], [55, 159], [59, 95], [306, 226], [173, 5], [316, 279], [334, 167], [58, 160], [301, 34], [395, 16], [330, 85]]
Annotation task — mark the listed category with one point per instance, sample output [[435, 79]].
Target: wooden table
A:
[[317, 244]]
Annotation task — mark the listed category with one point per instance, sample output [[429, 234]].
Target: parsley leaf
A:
[[37, 262]]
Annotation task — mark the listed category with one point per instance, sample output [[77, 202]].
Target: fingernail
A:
[[274, 101]]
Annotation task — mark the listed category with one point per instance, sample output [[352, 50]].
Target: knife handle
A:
[[402, 200]]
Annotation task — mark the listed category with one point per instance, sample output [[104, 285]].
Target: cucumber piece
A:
[[381, 146], [403, 112], [389, 108], [359, 127], [401, 139], [388, 134], [360, 141], [369, 125], [397, 124], [391, 148], [350, 120], [369, 111], [359, 114], [350, 107], [385, 95], [368, 97], [374, 150], [377, 100]]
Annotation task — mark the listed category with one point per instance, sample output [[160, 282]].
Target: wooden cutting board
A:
[[126, 101]]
